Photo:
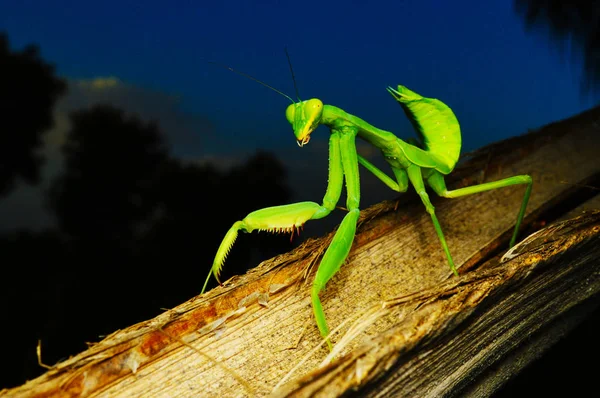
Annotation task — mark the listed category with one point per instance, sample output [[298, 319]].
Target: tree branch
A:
[[405, 324]]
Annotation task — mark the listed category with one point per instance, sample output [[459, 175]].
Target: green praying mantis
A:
[[424, 164]]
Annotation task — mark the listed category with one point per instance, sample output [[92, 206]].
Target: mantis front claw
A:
[[276, 219]]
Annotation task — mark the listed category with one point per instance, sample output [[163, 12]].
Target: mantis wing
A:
[[436, 125]]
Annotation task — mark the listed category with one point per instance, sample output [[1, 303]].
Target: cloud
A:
[[99, 83], [186, 132]]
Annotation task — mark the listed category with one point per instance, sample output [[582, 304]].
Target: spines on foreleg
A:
[[276, 219], [223, 251]]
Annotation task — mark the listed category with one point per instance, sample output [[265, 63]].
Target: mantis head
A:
[[304, 117]]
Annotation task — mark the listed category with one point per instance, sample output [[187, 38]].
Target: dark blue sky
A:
[[474, 55]]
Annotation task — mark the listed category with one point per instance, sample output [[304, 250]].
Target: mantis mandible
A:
[[421, 165]]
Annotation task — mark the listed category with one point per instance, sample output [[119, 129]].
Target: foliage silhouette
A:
[[575, 22], [137, 232], [33, 303], [198, 204], [136, 228], [29, 91], [111, 163]]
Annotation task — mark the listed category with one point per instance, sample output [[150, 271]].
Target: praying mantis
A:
[[424, 164]]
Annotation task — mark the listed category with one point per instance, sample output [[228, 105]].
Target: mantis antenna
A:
[[292, 71], [252, 78]]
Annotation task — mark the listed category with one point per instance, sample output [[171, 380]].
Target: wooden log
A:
[[497, 308], [403, 323]]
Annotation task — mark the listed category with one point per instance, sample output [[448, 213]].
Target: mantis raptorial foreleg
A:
[[286, 218], [340, 246]]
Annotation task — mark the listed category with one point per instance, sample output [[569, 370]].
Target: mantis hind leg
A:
[[437, 183], [416, 178]]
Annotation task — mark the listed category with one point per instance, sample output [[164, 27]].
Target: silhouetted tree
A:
[[104, 201], [130, 211], [111, 166], [32, 297], [575, 22], [259, 182], [138, 231], [28, 91], [197, 205]]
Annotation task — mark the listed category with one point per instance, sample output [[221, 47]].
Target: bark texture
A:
[[403, 324]]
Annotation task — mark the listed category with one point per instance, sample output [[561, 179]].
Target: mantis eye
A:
[[290, 112], [314, 105]]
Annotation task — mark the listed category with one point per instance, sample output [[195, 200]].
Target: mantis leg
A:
[[286, 218], [401, 183], [342, 241], [416, 178], [437, 183]]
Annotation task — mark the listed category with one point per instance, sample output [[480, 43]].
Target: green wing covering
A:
[[437, 127], [422, 158]]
